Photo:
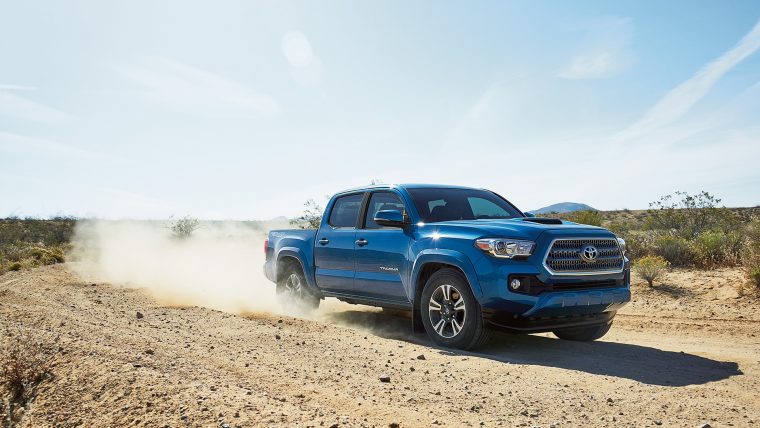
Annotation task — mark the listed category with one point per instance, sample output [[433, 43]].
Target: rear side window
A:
[[345, 211], [381, 201]]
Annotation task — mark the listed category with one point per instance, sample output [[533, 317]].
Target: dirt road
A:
[[685, 354]]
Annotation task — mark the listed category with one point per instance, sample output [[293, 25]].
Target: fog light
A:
[[514, 284]]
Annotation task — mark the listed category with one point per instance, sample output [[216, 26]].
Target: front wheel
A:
[[293, 292], [584, 334], [450, 313]]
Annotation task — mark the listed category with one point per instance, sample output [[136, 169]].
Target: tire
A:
[[450, 314], [584, 334], [294, 293]]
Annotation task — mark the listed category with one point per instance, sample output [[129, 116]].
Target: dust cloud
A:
[[219, 266]]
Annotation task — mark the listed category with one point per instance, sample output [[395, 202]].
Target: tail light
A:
[[266, 245]]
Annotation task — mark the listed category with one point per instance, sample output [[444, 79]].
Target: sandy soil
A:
[[684, 354]]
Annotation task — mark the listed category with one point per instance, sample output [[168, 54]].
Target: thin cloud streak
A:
[[199, 92], [20, 143], [676, 103], [7, 87], [607, 55], [17, 107]]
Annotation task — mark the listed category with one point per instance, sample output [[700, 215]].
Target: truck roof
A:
[[405, 186]]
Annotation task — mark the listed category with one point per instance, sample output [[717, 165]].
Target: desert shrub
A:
[[638, 244], [676, 250], [650, 268], [47, 256], [690, 215], [754, 275], [311, 217], [56, 231], [716, 248], [21, 256], [183, 228], [30, 243], [593, 218], [751, 255], [25, 362]]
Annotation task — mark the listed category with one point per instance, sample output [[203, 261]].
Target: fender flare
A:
[[449, 257], [297, 254]]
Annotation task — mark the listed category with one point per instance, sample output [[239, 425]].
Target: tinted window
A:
[[345, 211], [483, 208], [443, 204], [378, 202]]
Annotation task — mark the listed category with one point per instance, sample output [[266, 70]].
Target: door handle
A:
[[324, 241], [361, 242]]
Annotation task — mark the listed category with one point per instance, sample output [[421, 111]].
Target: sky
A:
[[245, 109]]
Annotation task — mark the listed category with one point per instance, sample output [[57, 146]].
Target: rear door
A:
[[381, 252], [334, 248]]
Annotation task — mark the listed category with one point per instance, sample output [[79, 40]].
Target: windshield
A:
[[446, 204]]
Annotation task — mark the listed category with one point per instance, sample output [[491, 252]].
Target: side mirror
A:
[[391, 218], [527, 214]]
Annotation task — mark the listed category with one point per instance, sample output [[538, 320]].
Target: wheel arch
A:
[[427, 263], [288, 255]]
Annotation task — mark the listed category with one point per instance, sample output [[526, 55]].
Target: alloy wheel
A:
[[447, 311], [293, 286]]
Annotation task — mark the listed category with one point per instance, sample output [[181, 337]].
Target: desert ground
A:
[[686, 353]]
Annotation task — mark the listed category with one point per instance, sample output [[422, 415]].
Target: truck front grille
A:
[[566, 256]]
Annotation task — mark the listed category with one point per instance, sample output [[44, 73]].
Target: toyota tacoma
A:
[[464, 261]]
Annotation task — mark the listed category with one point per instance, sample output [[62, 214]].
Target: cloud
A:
[[12, 105], [484, 101], [606, 52], [194, 91], [8, 87], [676, 103], [21, 143], [297, 49], [306, 67]]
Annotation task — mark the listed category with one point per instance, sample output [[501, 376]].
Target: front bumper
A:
[[519, 324], [546, 301]]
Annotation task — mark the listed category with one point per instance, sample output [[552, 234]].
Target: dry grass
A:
[[29, 243], [25, 362]]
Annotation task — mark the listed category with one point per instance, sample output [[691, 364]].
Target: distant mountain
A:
[[564, 207]]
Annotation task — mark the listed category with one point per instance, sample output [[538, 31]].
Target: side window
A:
[[381, 201], [483, 208], [345, 211]]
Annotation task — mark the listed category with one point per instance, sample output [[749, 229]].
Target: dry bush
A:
[[638, 243], [311, 218], [751, 256], [677, 250], [30, 243], [593, 218], [716, 248], [25, 361], [689, 215], [183, 228], [650, 268], [19, 256]]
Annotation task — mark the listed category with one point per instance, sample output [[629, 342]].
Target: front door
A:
[[334, 258], [381, 252]]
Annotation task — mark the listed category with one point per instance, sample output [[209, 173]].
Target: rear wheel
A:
[[450, 313], [584, 334], [293, 293]]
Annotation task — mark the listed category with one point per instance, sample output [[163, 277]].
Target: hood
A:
[[518, 228]]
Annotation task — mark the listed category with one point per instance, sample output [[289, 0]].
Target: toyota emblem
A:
[[589, 253]]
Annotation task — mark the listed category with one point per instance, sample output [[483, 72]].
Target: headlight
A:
[[506, 248], [621, 243]]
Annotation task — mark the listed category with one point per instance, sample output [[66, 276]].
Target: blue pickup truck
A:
[[465, 261]]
